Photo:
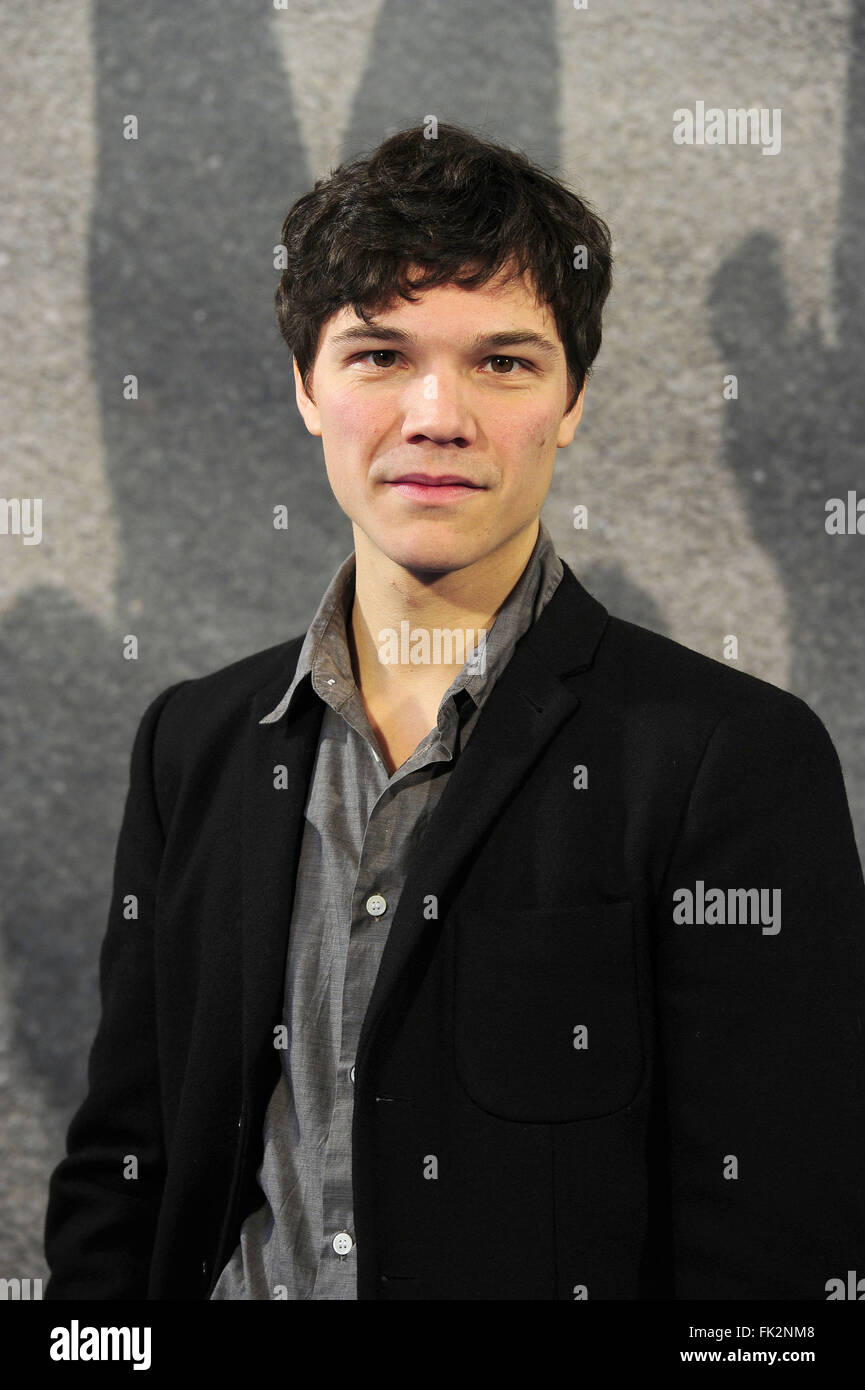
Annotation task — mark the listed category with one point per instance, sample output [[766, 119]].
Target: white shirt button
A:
[[376, 905], [351, 1074], [342, 1242]]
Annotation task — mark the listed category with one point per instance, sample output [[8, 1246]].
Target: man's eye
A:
[[502, 358], [377, 352]]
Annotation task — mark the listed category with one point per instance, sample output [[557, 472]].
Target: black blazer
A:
[[706, 1143]]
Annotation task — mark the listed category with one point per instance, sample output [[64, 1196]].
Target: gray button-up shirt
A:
[[361, 826]]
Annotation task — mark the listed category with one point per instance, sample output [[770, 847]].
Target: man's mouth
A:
[[435, 480], [429, 487]]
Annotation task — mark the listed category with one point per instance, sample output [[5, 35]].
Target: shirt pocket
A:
[[546, 1010]]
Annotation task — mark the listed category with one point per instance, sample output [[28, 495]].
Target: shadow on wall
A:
[[795, 438], [181, 294]]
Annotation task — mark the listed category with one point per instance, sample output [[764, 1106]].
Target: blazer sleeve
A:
[[762, 1030], [100, 1223]]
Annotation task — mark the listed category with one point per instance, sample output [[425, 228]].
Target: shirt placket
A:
[[373, 904]]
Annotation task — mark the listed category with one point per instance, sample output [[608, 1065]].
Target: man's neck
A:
[[465, 600]]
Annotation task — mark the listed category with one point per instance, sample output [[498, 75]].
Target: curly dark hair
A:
[[459, 209]]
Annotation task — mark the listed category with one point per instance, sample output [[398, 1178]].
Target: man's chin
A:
[[430, 563], [428, 556]]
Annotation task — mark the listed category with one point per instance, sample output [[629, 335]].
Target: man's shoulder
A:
[[650, 671], [209, 708], [651, 678], [242, 680]]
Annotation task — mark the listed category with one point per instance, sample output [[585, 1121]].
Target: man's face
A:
[[448, 385]]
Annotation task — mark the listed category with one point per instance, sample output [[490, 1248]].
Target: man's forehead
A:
[[504, 290]]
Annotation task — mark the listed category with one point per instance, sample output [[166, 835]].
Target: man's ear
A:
[[569, 422], [305, 404]]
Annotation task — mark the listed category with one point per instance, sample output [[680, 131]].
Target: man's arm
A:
[[763, 1026], [100, 1224]]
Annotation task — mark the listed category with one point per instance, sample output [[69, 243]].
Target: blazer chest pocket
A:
[[546, 1011]]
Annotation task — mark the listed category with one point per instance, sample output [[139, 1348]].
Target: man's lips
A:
[[432, 480], [429, 490]]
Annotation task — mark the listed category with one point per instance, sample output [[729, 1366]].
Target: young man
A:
[[488, 946]]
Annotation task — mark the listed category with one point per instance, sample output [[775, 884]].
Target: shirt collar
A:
[[325, 656]]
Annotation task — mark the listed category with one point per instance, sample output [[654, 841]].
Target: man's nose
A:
[[437, 407]]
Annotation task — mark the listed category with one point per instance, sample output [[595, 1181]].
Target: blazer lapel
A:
[[527, 706]]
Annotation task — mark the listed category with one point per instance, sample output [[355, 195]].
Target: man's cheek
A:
[[360, 413]]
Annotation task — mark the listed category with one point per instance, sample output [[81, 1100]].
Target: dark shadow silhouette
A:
[[181, 289], [794, 438]]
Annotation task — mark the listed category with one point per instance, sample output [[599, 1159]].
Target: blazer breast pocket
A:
[[546, 1010]]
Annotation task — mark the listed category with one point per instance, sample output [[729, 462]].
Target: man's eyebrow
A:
[[380, 332], [520, 337]]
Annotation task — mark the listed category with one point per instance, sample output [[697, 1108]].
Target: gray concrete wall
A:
[[154, 257]]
